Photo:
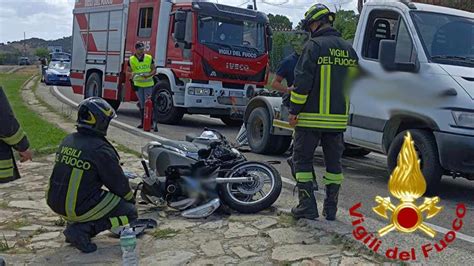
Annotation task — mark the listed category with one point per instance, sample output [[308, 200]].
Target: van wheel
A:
[[427, 150], [93, 86], [259, 137], [164, 110]]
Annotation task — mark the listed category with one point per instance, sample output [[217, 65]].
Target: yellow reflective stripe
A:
[[6, 173], [6, 163], [304, 176], [306, 116], [298, 98], [310, 9], [282, 124], [337, 116], [73, 188], [328, 90], [322, 89], [15, 138], [129, 195], [330, 178], [109, 202], [123, 220], [114, 221], [320, 13], [321, 124]]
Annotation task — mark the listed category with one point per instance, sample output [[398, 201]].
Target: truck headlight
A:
[[200, 91], [464, 119]]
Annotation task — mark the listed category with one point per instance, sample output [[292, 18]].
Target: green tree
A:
[[41, 52], [280, 22], [346, 23]]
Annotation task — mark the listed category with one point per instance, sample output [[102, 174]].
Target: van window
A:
[[145, 22], [381, 25], [404, 52]]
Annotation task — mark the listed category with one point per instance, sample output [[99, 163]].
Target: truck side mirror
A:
[[269, 38], [180, 26], [387, 54]]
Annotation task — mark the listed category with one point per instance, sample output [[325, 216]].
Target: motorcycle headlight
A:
[[464, 119]]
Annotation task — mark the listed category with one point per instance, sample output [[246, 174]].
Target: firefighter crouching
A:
[[319, 110], [86, 161], [11, 136]]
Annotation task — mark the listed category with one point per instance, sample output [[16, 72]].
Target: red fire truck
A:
[[210, 58]]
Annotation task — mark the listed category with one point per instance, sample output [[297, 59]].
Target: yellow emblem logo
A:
[[407, 184]]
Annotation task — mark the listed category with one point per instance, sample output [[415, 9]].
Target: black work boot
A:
[[330, 202], [289, 161], [142, 114], [307, 207], [79, 235]]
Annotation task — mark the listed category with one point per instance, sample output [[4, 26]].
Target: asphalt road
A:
[[365, 177]]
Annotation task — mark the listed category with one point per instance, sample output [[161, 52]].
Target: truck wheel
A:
[[164, 109], [93, 86], [355, 151], [231, 122], [425, 145], [259, 137]]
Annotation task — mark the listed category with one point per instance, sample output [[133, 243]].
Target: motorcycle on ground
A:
[[203, 173]]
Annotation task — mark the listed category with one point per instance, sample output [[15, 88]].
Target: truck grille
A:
[[259, 77]]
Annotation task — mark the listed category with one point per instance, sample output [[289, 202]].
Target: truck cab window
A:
[[145, 22], [404, 52], [380, 26]]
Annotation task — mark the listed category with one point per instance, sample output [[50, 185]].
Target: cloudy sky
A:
[[52, 19]]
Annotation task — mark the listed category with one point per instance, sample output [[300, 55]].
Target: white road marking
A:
[[289, 181], [443, 230]]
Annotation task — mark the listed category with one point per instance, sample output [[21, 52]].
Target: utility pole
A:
[[255, 4]]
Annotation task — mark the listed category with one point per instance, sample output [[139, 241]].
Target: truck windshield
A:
[[232, 35], [447, 39]]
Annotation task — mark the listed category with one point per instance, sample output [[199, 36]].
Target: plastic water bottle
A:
[[128, 243]]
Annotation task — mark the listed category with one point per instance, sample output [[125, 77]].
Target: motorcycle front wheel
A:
[[255, 196]]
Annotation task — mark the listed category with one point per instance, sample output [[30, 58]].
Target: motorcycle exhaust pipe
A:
[[246, 179], [202, 211]]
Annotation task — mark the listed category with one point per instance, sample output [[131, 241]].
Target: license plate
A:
[[63, 79]]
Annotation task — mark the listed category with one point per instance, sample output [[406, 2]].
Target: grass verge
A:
[[43, 136]]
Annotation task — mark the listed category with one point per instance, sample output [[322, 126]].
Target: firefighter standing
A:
[[11, 136], [141, 67], [319, 109], [85, 162]]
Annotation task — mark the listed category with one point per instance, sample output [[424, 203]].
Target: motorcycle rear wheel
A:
[[243, 197]]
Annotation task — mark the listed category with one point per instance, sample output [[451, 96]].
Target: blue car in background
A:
[[57, 73]]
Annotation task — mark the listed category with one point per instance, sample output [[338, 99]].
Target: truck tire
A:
[[355, 151], [93, 86], [259, 137], [427, 150], [231, 122], [163, 105]]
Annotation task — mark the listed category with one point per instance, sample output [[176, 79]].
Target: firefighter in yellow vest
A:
[[11, 136], [141, 67]]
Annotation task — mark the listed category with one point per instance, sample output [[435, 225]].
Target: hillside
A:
[[10, 51]]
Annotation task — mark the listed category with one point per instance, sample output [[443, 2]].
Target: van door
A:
[[371, 98]]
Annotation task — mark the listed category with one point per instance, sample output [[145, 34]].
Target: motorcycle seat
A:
[[184, 145]]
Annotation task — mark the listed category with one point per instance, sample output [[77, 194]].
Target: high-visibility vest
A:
[[142, 67]]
